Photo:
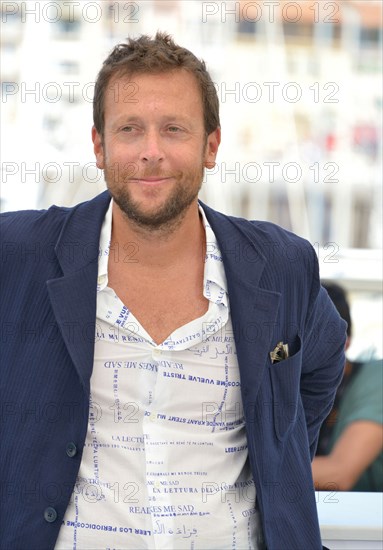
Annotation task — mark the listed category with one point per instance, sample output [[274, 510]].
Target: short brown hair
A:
[[155, 55]]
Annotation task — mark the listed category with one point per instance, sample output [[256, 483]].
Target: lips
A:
[[153, 180]]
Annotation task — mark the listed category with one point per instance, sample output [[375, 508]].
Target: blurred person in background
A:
[[350, 448]]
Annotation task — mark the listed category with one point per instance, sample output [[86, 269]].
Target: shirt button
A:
[[50, 514], [71, 449]]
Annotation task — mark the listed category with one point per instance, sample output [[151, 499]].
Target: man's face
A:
[[155, 148]]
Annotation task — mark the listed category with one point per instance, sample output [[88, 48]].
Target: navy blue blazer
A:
[[48, 308]]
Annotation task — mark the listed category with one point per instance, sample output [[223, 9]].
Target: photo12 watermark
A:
[[273, 172], [270, 11], [273, 92], [69, 12]]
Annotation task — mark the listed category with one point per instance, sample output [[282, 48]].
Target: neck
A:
[[162, 248]]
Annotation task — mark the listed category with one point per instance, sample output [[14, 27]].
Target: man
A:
[[350, 448], [166, 368]]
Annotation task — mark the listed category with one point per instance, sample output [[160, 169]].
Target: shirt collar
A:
[[215, 284], [105, 237], [214, 278]]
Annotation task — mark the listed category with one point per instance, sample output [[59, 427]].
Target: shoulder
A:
[[274, 259], [363, 397], [26, 226], [264, 231], [30, 239], [369, 379], [271, 231], [29, 225], [285, 253]]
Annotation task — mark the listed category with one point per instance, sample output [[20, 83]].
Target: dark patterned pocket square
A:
[[280, 352]]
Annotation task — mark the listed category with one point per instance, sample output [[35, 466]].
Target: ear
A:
[[98, 148], [213, 141]]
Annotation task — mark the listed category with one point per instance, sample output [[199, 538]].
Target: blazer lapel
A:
[[253, 309], [74, 295]]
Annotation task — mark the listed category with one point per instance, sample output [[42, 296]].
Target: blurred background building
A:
[[300, 85]]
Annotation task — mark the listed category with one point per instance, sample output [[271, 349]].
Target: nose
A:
[[152, 149]]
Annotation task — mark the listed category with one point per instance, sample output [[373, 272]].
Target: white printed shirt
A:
[[165, 462]]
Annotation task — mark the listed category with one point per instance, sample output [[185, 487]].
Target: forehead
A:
[[178, 87]]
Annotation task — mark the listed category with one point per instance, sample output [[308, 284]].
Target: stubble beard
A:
[[167, 217]]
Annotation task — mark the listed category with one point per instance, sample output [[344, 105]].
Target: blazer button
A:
[[71, 449], [50, 514]]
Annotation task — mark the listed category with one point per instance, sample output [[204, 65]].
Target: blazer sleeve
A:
[[323, 357]]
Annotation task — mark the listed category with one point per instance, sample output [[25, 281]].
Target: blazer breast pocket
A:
[[285, 382]]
